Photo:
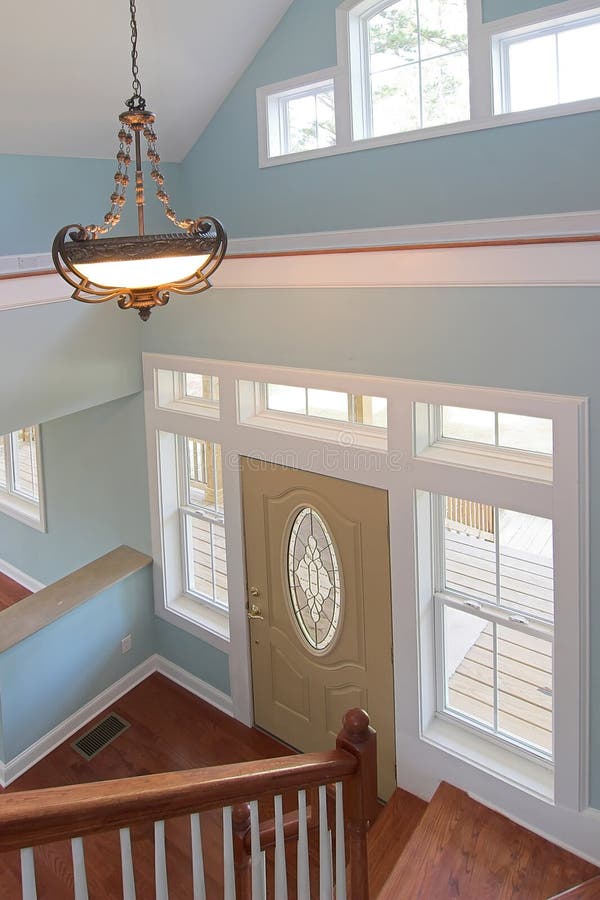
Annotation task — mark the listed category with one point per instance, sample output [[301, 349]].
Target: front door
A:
[[318, 572]]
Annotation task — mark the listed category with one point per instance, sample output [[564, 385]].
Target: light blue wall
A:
[[539, 167], [537, 339], [63, 357], [56, 671], [499, 9], [41, 194], [195, 656], [96, 484]]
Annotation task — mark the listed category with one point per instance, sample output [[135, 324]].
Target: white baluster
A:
[[303, 889], [28, 874], [127, 865], [160, 862], [259, 887], [325, 868], [340, 844], [197, 858], [280, 865], [228, 861], [79, 876]]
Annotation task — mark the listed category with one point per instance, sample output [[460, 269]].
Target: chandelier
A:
[[139, 271]]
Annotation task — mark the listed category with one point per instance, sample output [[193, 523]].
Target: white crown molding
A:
[[377, 261], [16, 767], [32, 584]]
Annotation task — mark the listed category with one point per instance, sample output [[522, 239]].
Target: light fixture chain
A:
[[137, 87], [117, 198], [190, 225]]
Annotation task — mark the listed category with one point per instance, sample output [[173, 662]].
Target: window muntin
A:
[[527, 433], [494, 609], [189, 392], [20, 493], [323, 404], [416, 65], [548, 64], [202, 521], [302, 119], [497, 680], [499, 556]]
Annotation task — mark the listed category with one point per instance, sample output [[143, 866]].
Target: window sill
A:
[[498, 120], [191, 408], [489, 459], [206, 624], [344, 434], [535, 778], [25, 511]]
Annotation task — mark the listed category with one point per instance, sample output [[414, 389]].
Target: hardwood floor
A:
[[451, 848], [11, 592], [170, 730], [461, 849]]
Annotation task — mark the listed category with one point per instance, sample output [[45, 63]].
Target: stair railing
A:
[[344, 780]]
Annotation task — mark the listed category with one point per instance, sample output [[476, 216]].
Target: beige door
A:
[[317, 564]]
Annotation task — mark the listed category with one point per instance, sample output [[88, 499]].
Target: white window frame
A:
[[254, 411], [12, 502], [348, 78], [503, 40], [427, 749], [211, 517], [278, 118], [489, 611]]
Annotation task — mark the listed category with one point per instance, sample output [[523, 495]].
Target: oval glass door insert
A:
[[314, 579]]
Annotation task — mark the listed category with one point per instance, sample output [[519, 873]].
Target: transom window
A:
[[302, 119], [20, 490], [548, 65], [416, 65], [416, 69], [335, 405]]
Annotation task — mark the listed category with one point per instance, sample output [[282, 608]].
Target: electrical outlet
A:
[[126, 644]]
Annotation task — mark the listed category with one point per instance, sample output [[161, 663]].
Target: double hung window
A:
[[20, 476]]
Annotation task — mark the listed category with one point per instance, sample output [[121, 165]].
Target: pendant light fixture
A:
[[139, 271]]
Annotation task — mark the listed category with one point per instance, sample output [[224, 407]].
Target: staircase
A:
[[292, 828], [458, 848]]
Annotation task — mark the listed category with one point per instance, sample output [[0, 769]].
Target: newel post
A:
[[360, 795], [241, 858]]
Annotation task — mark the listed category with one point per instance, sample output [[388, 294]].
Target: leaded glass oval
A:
[[314, 579]]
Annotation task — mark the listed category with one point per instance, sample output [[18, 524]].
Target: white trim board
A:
[[545, 264], [29, 757], [571, 224], [540, 265], [32, 584]]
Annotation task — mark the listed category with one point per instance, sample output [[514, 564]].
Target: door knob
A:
[[254, 592], [255, 612]]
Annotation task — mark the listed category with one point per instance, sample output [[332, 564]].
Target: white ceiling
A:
[[65, 69]]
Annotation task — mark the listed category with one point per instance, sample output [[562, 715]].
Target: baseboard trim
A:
[[16, 767], [32, 584], [195, 685]]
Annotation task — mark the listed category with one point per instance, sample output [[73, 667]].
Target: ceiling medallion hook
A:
[[140, 271]]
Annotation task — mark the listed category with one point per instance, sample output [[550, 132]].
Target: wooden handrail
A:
[[31, 818]]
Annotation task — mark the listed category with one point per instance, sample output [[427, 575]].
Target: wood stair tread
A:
[[390, 833], [462, 849]]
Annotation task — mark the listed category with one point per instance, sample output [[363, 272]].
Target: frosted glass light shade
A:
[[141, 273]]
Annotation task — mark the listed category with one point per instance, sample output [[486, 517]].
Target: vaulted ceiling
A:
[[65, 69]]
